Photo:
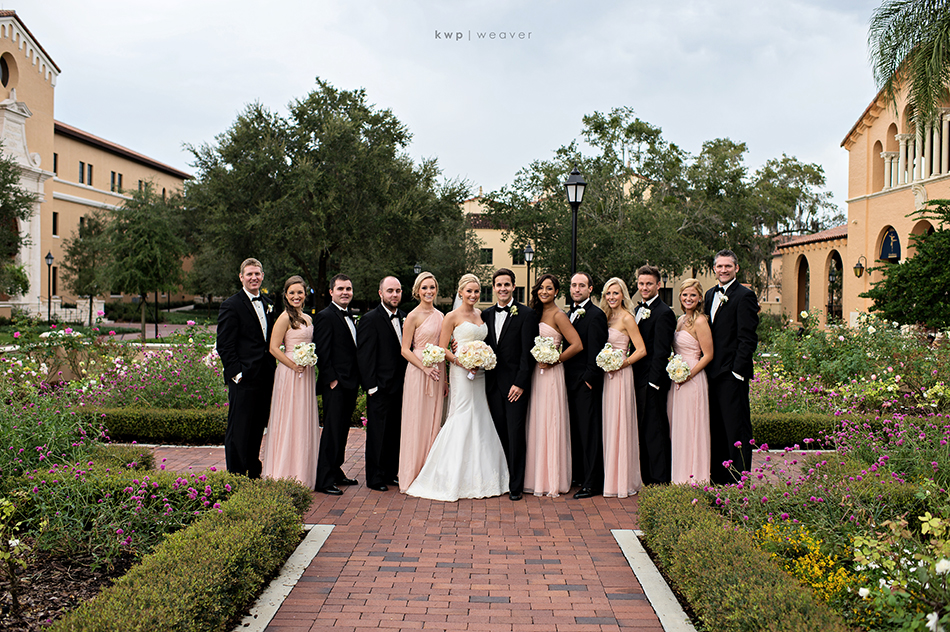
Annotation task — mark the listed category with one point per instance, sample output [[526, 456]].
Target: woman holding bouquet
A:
[[424, 389], [689, 399], [467, 459], [293, 432], [548, 462], [621, 437]]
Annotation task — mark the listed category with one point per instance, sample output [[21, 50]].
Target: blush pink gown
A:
[[422, 403], [293, 432], [689, 417], [621, 440], [548, 461]]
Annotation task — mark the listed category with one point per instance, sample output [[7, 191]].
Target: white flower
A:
[[580, 312], [645, 313], [270, 308], [864, 593], [677, 369], [943, 566], [933, 622], [803, 315], [545, 351], [723, 298], [871, 329], [610, 359], [432, 355], [14, 543], [514, 311], [304, 354]]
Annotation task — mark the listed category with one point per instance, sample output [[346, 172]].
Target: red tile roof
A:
[[85, 137], [838, 232]]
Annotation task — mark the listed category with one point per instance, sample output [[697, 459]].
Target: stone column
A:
[[945, 142], [928, 152], [902, 167], [889, 171]]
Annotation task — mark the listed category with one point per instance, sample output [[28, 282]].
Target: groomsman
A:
[[585, 388], [383, 371], [512, 327], [334, 335], [245, 321], [657, 324], [734, 313]]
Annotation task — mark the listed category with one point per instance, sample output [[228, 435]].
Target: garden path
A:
[[403, 563]]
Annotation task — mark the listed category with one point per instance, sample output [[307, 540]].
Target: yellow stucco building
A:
[[71, 172]]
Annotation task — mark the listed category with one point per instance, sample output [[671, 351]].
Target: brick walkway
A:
[[403, 563]]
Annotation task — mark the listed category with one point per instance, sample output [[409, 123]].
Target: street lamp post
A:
[[417, 268], [528, 257], [49, 287], [575, 186]]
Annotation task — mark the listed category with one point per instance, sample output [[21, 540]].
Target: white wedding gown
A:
[[466, 460]]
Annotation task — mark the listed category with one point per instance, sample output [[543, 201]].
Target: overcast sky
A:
[[783, 76]]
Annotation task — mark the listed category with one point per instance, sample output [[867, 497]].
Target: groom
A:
[[245, 321], [733, 311], [512, 327]]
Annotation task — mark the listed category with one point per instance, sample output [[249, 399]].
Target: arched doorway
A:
[[835, 281], [804, 279]]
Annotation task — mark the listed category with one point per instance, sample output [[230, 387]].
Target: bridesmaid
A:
[[424, 390], [548, 461], [293, 431], [689, 401], [621, 438]]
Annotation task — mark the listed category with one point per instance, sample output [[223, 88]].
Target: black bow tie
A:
[[258, 298], [721, 289], [643, 304], [506, 308], [393, 316]]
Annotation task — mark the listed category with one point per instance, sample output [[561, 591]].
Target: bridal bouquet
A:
[[610, 359], [544, 350], [432, 355], [677, 369], [475, 354], [305, 354]]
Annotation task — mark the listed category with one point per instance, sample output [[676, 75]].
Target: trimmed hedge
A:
[[163, 425], [781, 430], [202, 577], [730, 583]]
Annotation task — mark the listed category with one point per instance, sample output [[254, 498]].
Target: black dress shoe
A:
[[379, 488], [514, 496], [585, 492], [393, 481], [346, 481], [333, 490]]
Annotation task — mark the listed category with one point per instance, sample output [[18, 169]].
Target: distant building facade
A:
[[71, 172]]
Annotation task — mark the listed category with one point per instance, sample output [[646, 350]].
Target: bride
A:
[[466, 460]]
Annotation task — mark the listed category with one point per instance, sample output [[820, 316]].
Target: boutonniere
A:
[[724, 298], [645, 313], [580, 312], [514, 310], [270, 307]]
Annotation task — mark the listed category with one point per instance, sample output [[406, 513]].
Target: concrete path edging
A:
[[264, 609], [667, 608]]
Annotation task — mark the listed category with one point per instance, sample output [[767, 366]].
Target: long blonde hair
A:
[[465, 280], [418, 284], [626, 303], [685, 285]]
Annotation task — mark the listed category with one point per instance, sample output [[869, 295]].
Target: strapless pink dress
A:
[[621, 439], [689, 417], [548, 461]]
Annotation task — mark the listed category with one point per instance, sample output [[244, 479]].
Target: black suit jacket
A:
[[733, 331], [513, 350], [336, 350], [379, 352], [592, 329], [657, 332], [241, 343]]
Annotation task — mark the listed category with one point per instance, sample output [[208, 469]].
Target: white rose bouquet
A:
[[677, 369], [475, 354], [304, 354], [610, 359], [432, 355], [544, 350]]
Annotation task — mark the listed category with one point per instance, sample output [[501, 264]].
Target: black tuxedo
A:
[[382, 367], [652, 420], [514, 368], [586, 404], [336, 361], [244, 350], [734, 342]]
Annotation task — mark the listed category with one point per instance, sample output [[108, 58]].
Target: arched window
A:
[[804, 279]]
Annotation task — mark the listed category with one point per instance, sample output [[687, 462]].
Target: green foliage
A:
[[13, 279], [16, 205], [327, 188], [728, 581], [917, 291], [909, 43], [86, 258], [787, 429], [203, 577], [202, 426], [770, 326]]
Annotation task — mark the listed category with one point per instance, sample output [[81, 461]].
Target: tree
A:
[[86, 258], [16, 205], [917, 291], [909, 43], [326, 189], [145, 247]]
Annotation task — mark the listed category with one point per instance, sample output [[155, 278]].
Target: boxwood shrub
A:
[[203, 577], [730, 584]]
